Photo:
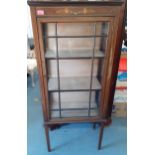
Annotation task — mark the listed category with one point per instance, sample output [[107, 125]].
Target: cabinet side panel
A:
[[39, 65], [113, 63], [105, 71], [116, 60]]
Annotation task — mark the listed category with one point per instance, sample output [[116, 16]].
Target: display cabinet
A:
[[77, 44]]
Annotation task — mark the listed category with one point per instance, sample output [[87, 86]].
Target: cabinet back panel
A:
[[72, 68]]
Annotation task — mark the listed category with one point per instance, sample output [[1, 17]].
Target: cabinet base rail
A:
[[48, 124]]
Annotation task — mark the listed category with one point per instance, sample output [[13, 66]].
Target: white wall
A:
[[29, 25]]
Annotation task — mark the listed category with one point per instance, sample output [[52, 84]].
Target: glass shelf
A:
[[76, 54], [74, 109], [73, 84], [74, 113], [87, 36]]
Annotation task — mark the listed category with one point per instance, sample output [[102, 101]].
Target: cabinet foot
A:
[[94, 125], [48, 138], [100, 135], [108, 122]]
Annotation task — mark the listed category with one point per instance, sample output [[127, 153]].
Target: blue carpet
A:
[[71, 139]]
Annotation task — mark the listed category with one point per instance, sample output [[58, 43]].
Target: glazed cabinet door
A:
[[75, 54]]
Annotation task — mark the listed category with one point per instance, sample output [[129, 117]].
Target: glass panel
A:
[[75, 47], [71, 44], [50, 44], [81, 50], [49, 29], [74, 75], [52, 68], [73, 104], [95, 99], [104, 27], [73, 84], [76, 29], [71, 68], [76, 68], [54, 105]]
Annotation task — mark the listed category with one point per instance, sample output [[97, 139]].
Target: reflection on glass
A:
[[75, 44]]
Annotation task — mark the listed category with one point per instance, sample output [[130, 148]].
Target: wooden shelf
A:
[[73, 54], [73, 84]]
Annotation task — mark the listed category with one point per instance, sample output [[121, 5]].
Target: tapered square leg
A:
[[100, 135], [94, 125], [47, 138]]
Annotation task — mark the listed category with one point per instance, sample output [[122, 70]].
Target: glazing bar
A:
[[88, 36], [57, 57], [92, 69], [66, 109], [49, 100]]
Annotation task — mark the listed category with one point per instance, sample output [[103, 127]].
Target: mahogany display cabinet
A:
[[78, 46]]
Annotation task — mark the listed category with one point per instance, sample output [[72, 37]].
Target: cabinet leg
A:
[[94, 125], [47, 138], [100, 135]]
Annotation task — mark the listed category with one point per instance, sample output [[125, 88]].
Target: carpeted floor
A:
[[71, 139]]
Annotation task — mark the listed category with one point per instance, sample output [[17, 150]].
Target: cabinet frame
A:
[[111, 64], [72, 20]]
